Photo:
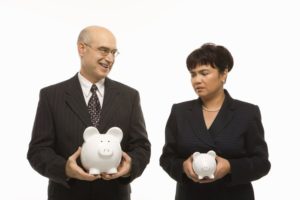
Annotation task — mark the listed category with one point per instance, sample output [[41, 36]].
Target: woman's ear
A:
[[224, 76]]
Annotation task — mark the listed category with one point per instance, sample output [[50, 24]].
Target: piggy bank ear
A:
[[89, 132], [211, 153], [196, 154], [116, 132]]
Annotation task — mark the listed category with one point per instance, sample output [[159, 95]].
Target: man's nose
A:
[[110, 57]]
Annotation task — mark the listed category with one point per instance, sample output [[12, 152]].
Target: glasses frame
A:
[[104, 51]]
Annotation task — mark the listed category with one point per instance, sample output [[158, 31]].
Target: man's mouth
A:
[[105, 65]]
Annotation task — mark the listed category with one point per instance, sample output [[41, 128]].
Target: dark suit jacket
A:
[[61, 119], [236, 134]]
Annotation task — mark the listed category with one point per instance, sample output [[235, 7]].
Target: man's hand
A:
[[74, 171], [123, 169]]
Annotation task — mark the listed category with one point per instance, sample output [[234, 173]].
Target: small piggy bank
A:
[[204, 164], [101, 152]]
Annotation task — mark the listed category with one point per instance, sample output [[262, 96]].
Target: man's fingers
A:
[[76, 154], [75, 171], [126, 156], [86, 176]]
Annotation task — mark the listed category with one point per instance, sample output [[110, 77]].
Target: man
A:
[[89, 98]]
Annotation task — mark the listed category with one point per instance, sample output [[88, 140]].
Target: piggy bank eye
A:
[[101, 141], [108, 141]]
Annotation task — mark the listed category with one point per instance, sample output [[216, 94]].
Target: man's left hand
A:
[[123, 169]]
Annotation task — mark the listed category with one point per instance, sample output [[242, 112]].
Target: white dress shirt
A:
[[86, 89]]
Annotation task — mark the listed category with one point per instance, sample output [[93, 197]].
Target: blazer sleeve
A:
[[256, 163], [138, 146], [41, 154], [169, 160]]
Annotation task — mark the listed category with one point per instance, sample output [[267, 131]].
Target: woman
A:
[[217, 122]]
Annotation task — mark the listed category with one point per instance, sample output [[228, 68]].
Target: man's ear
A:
[[80, 48]]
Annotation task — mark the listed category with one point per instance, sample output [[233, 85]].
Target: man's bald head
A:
[[89, 34], [96, 47]]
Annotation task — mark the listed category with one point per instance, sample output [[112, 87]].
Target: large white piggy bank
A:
[[204, 164], [101, 152]]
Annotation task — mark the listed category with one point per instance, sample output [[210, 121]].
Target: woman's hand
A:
[[188, 169], [222, 169]]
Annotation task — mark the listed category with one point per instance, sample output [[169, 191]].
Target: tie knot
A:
[[94, 88]]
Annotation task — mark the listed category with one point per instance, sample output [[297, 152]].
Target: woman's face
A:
[[207, 81]]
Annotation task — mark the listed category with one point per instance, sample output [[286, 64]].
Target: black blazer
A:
[[61, 118], [236, 134]]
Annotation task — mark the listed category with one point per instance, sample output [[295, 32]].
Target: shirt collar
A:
[[86, 85]]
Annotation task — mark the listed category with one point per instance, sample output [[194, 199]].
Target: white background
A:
[[38, 48]]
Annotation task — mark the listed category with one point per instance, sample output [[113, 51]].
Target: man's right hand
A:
[[74, 171]]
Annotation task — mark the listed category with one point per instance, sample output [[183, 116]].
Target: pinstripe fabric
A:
[[62, 116]]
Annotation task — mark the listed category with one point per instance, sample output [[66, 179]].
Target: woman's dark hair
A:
[[210, 54]]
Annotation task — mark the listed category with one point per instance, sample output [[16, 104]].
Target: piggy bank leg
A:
[[112, 171], [94, 171], [200, 177], [212, 176]]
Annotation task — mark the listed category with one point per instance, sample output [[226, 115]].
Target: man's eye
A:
[[105, 50]]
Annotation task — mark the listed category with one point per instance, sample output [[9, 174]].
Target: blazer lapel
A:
[[196, 119], [110, 102], [224, 116], [75, 100]]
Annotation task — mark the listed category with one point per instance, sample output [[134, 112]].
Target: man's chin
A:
[[103, 72], [102, 75]]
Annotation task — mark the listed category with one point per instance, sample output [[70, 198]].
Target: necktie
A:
[[94, 106]]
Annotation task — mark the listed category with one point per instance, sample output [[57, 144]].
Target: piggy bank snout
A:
[[105, 151], [206, 167]]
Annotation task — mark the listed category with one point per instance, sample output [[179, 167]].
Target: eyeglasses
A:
[[104, 51]]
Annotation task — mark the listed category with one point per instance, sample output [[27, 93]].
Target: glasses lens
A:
[[116, 53]]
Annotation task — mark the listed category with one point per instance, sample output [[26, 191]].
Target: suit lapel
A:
[[75, 100], [111, 102], [224, 116], [196, 119]]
